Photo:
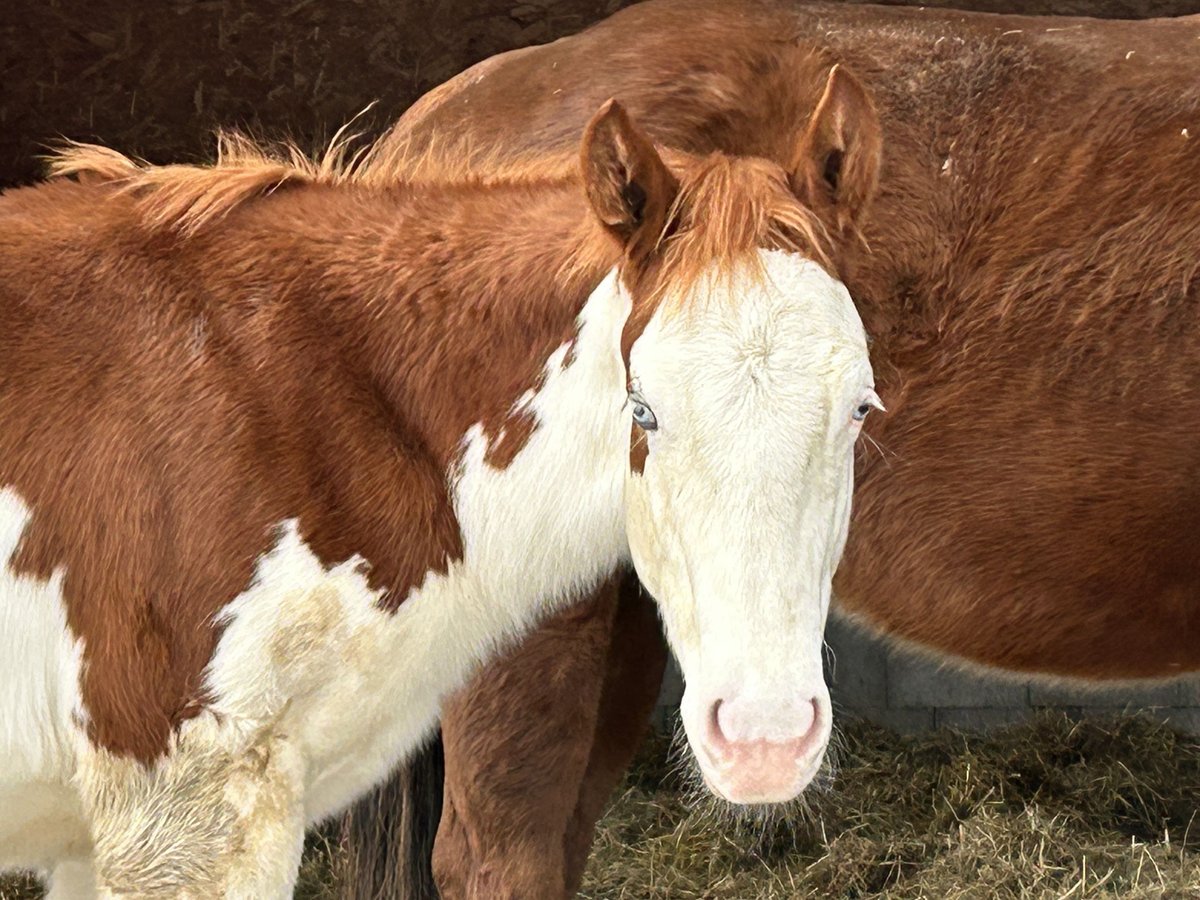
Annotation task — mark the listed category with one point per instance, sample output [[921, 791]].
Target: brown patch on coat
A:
[[639, 449]]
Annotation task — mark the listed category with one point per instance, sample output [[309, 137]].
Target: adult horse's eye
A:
[[643, 415], [861, 413]]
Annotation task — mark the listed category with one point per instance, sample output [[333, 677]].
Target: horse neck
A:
[[449, 300]]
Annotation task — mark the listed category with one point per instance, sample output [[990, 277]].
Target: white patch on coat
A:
[[740, 516], [40, 661]]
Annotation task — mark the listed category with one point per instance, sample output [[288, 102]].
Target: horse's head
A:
[[748, 384]]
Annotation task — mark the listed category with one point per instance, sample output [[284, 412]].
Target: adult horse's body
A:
[[277, 472], [1029, 279]]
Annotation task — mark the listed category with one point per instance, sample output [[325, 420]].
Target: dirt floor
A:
[[1053, 809], [154, 79]]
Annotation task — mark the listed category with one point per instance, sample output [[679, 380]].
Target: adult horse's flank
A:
[[1031, 289], [279, 471]]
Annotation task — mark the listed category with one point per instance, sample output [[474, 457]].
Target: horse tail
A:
[[387, 836]]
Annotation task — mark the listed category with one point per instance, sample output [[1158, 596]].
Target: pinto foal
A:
[[286, 452]]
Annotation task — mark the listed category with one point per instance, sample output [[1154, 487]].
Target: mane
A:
[[450, 159], [729, 207], [186, 197], [726, 208]]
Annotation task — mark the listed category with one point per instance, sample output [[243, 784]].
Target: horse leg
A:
[[637, 659], [517, 741], [206, 821]]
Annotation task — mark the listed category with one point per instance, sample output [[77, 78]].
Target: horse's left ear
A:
[[630, 188], [837, 160]]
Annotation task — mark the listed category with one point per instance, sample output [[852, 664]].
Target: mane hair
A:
[[451, 159], [185, 198], [728, 208]]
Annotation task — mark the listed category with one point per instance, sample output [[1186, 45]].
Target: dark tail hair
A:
[[388, 835]]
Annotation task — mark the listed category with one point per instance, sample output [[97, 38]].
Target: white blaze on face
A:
[[738, 521]]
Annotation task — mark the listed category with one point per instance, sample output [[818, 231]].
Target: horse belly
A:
[[40, 706]]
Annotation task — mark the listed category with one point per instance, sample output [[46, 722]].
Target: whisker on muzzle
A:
[[757, 826]]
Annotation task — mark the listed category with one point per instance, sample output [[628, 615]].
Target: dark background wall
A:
[[154, 77]]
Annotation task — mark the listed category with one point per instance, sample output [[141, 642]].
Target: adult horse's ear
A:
[[837, 161], [627, 183]]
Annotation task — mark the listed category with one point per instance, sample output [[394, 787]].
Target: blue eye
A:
[[643, 415], [861, 413]]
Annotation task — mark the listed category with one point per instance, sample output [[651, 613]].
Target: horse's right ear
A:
[[627, 183]]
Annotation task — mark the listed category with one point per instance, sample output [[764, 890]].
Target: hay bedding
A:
[[1051, 809]]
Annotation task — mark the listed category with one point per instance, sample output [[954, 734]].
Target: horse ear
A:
[[627, 183], [837, 160]]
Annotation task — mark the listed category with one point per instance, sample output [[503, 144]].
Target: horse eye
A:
[[872, 402], [643, 415]]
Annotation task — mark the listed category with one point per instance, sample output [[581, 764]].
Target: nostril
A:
[[738, 722], [806, 719], [716, 733]]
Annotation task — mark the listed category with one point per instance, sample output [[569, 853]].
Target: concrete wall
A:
[[900, 689]]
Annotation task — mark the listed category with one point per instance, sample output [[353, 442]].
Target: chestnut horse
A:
[[288, 449], [1029, 279]]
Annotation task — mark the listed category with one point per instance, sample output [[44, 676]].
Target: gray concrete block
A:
[[905, 721], [856, 667], [980, 719], [1189, 690], [917, 682], [1185, 719], [1134, 695]]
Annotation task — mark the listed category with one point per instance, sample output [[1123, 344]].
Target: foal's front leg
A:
[[517, 740], [214, 818]]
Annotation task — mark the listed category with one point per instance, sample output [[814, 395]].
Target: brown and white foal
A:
[[286, 452]]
